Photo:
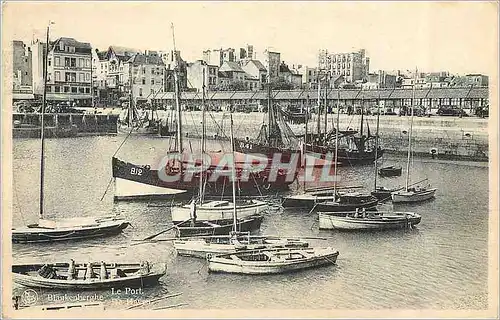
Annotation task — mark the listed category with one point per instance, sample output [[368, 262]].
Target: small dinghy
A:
[[69, 229], [218, 210], [349, 202], [368, 221], [232, 243], [384, 194], [390, 171], [412, 195], [272, 261], [89, 276], [208, 228]]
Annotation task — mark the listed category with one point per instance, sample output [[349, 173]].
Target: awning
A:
[[23, 96], [66, 97]]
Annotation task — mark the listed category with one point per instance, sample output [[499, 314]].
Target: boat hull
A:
[[148, 183], [413, 196], [128, 189], [220, 214], [200, 248], [220, 264], [142, 130], [135, 280], [33, 234], [341, 222], [345, 156], [208, 229], [390, 171]]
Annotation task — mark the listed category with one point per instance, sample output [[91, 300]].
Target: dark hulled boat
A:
[[390, 171], [208, 228]]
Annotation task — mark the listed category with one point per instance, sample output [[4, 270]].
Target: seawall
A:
[[436, 136]]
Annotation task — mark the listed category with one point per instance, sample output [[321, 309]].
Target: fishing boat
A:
[[69, 229], [234, 242], [390, 171], [89, 276], [368, 220], [272, 261], [173, 178], [352, 149], [417, 193], [275, 137]]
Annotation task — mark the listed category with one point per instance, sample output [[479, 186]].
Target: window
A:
[[57, 74], [61, 46], [81, 90], [66, 89], [49, 62], [87, 90], [152, 91], [87, 62], [143, 70], [140, 92], [74, 90], [143, 81], [73, 62], [87, 76], [57, 89], [152, 70], [49, 88], [80, 62], [152, 81], [81, 77], [57, 61]]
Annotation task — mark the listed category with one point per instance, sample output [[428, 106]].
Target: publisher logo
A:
[[29, 297]]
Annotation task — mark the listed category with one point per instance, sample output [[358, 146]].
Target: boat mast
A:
[[336, 143], [233, 176], [325, 103], [130, 98], [42, 133], [318, 112], [177, 94], [376, 141], [410, 132], [202, 138], [269, 110]]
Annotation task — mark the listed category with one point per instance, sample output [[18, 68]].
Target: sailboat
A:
[[368, 221], [332, 200], [381, 193], [68, 229], [218, 211], [413, 194], [197, 227], [274, 138], [354, 149]]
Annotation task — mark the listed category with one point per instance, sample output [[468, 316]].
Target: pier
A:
[[61, 125]]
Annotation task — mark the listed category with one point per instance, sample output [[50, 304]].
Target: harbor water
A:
[[441, 264]]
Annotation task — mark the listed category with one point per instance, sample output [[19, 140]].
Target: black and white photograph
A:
[[249, 159]]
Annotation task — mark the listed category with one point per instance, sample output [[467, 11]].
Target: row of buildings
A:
[[81, 75]]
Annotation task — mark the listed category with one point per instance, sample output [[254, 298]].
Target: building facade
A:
[[199, 69], [255, 70], [272, 62], [68, 71], [354, 66], [22, 76]]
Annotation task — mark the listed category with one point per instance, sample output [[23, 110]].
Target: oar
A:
[[314, 207], [162, 232]]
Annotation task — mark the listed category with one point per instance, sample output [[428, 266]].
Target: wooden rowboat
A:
[[368, 220], [88, 276], [224, 244], [272, 261]]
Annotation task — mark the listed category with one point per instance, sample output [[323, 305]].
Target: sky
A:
[[460, 37]]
